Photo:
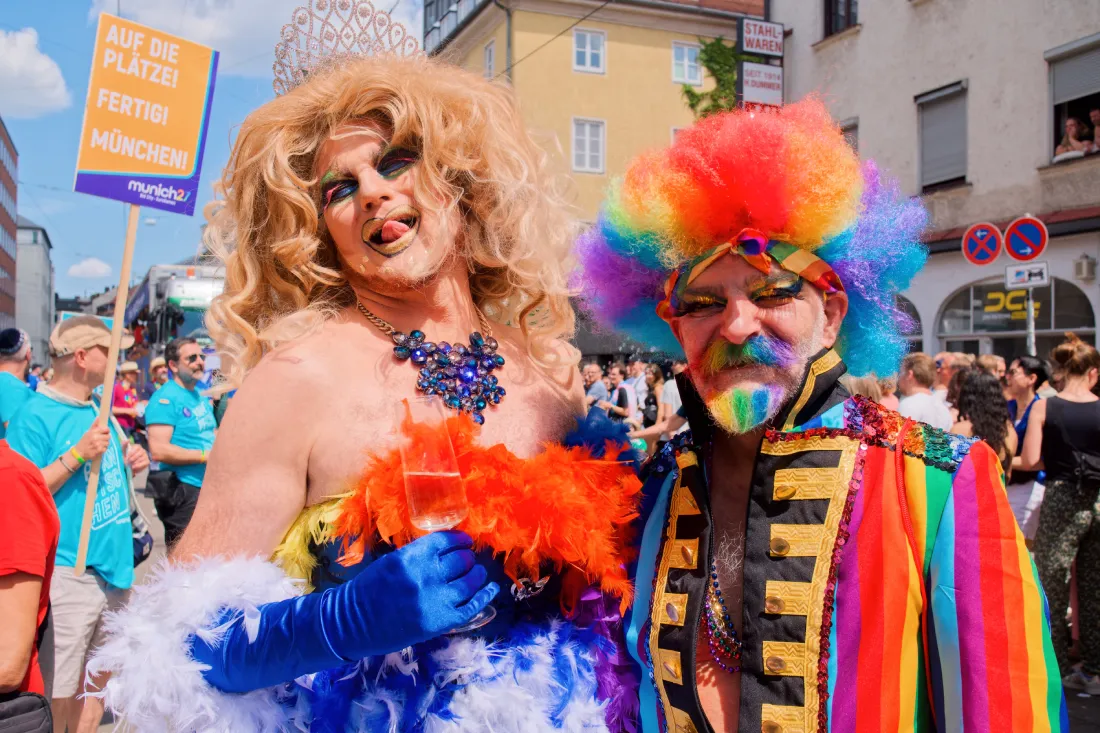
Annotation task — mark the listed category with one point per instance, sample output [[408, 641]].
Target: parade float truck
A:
[[171, 302]]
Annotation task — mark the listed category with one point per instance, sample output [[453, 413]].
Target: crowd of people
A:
[[1041, 418], [52, 438], [1079, 137], [640, 395], [512, 567]]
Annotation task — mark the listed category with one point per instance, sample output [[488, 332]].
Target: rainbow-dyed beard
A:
[[739, 409]]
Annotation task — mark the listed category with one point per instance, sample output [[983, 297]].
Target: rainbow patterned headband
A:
[[759, 251]]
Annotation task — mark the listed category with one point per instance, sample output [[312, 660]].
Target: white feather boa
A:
[[156, 687]]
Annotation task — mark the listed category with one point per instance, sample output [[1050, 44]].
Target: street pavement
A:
[[1084, 710]]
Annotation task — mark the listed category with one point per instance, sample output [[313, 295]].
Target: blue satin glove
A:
[[409, 596]]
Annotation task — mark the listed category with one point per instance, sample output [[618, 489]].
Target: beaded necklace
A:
[[461, 375], [722, 639]]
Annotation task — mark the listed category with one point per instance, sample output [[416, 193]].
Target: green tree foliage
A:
[[720, 61]]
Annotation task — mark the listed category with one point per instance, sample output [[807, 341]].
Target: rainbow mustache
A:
[[759, 350]]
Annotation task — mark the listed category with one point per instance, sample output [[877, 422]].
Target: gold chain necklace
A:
[[386, 328], [462, 376]]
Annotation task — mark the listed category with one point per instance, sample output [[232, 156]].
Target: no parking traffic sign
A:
[[1026, 238], [981, 243]]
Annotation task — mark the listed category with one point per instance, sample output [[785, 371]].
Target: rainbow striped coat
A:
[[883, 590]]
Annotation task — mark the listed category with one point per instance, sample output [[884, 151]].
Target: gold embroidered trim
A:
[[785, 659], [793, 484], [685, 502], [802, 540], [685, 555], [796, 443], [669, 552], [686, 458], [827, 361], [668, 664], [782, 719], [681, 721], [794, 597], [820, 578], [674, 609]]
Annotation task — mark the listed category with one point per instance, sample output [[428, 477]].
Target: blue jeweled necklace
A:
[[461, 375]]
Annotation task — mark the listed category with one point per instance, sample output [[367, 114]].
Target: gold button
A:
[[673, 612], [689, 556], [770, 726], [775, 665], [780, 546], [774, 604], [785, 492]]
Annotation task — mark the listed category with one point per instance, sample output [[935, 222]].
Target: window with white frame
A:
[[685, 64], [588, 51], [1075, 91], [490, 59], [942, 136], [588, 146]]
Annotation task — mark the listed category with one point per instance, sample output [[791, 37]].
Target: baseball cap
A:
[[12, 340], [83, 332], [128, 366], [158, 362]]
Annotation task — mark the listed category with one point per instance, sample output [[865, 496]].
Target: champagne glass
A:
[[433, 484]]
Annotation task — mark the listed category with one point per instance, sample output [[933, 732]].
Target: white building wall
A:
[[946, 273], [902, 49]]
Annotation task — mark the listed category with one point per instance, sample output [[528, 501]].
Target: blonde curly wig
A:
[[283, 277]]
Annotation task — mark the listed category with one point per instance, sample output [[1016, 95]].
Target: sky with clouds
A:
[[45, 57]]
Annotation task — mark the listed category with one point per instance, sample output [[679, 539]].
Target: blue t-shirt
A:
[[192, 418], [44, 430], [13, 393], [599, 391]]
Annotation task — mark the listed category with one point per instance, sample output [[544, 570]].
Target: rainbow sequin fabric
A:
[[886, 583]]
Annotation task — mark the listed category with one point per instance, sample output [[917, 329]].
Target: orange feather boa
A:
[[562, 507]]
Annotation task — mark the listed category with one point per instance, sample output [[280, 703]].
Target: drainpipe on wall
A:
[[507, 38]]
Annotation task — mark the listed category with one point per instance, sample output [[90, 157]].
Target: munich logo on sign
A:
[[1026, 238], [981, 243]]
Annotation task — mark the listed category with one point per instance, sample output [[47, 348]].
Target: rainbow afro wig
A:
[[783, 182]]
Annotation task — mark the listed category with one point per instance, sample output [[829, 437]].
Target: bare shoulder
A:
[[561, 377], [964, 428]]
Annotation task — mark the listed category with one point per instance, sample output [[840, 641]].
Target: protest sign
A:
[[145, 124], [146, 117]]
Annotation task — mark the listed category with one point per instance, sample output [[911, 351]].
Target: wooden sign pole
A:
[[106, 401]]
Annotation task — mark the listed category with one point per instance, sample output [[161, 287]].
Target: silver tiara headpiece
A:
[[327, 32]]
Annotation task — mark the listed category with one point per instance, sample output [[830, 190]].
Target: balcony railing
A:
[[441, 31]]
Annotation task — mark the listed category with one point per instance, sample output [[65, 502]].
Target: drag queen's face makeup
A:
[[369, 207], [748, 338]]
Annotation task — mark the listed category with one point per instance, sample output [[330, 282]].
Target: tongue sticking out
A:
[[393, 230]]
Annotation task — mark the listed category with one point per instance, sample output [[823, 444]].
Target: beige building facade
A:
[[597, 82]]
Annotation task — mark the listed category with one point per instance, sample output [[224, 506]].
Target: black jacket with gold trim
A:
[[890, 582]]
